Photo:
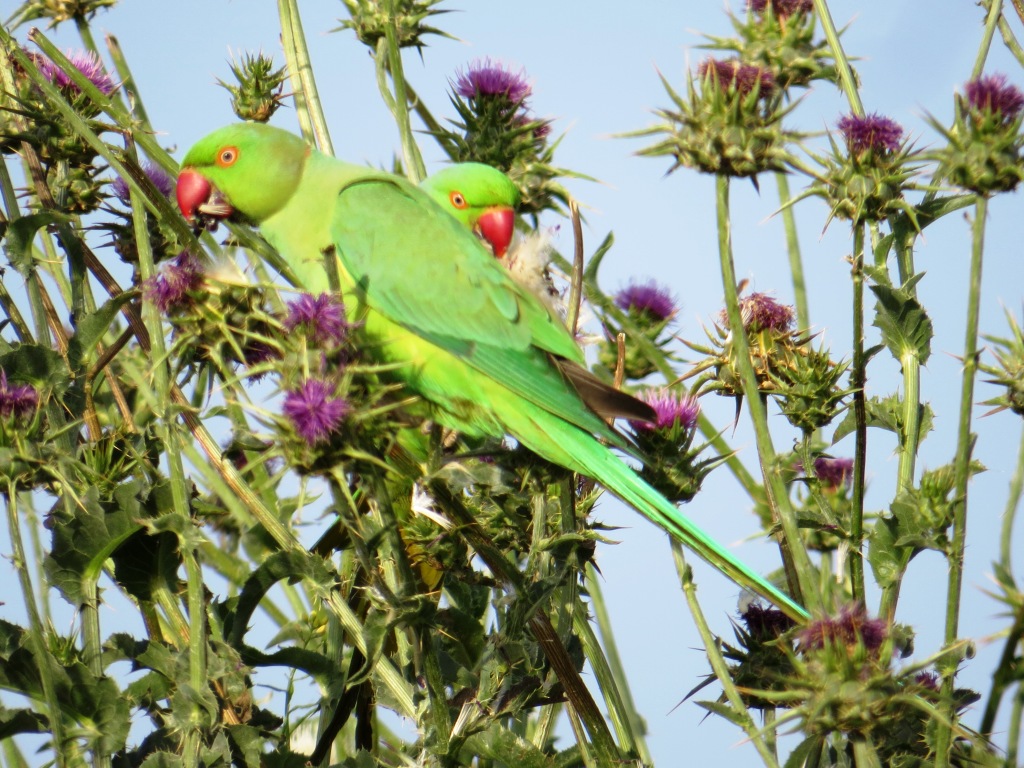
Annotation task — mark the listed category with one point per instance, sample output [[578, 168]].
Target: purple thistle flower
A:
[[765, 623], [732, 73], [992, 94], [257, 353], [86, 62], [870, 132], [171, 288], [927, 679], [833, 473], [313, 411], [17, 401], [156, 174], [761, 312], [490, 78], [781, 8], [322, 317], [648, 299], [849, 627], [671, 410]]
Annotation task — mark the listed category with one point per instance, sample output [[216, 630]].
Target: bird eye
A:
[[458, 200], [227, 156]]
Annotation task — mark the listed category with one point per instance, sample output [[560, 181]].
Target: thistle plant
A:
[[496, 127], [257, 96], [191, 439]]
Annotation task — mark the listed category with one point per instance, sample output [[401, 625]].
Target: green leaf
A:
[[95, 704], [145, 559], [42, 367], [888, 561], [83, 539], [726, 711], [885, 413], [594, 264], [905, 326], [246, 745], [806, 752], [508, 748], [15, 721], [291, 565], [91, 329], [163, 760], [22, 232]]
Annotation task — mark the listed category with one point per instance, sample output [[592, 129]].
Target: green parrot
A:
[[481, 198], [487, 355]]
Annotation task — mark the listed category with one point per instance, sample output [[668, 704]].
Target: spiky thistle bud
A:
[[650, 309], [867, 173], [258, 93], [983, 149], [370, 19], [670, 461], [58, 11], [773, 347], [1008, 372], [495, 127], [807, 388], [731, 125]]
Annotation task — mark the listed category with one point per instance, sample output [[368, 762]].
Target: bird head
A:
[[246, 170], [483, 198]]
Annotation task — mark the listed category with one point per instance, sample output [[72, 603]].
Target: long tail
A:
[[556, 440]]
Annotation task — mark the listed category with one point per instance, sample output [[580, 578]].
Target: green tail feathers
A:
[[565, 444]]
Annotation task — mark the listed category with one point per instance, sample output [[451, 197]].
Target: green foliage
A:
[[453, 584]]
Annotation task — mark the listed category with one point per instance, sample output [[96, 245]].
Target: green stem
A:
[[11, 311], [858, 378], [1006, 673], [37, 632], [86, 34], [740, 713], [618, 672], [995, 12], [849, 82], [1010, 513], [1016, 716], [800, 572], [581, 703], [622, 714], [399, 104], [796, 265], [962, 474], [308, 107], [167, 429], [1010, 40], [128, 82], [657, 356]]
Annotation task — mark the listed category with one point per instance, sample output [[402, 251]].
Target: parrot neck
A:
[[301, 230]]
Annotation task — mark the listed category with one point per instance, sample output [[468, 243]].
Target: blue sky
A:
[[594, 66]]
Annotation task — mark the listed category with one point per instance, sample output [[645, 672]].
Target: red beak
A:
[[193, 190], [496, 227]]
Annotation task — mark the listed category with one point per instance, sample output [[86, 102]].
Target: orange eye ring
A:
[[228, 156], [458, 200]]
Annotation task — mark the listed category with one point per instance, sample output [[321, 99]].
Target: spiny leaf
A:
[[888, 562], [885, 413], [42, 366], [22, 232], [15, 721], [91, 329], [906, 327], [83, 539]]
